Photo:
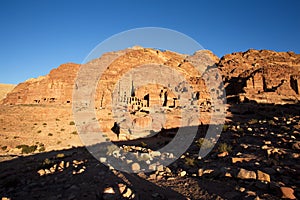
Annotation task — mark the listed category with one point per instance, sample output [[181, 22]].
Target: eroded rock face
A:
[[263, 76], [54, 88], [57, 86]]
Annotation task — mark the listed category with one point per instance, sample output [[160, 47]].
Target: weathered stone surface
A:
[[287, 193], [235, 159], [54, 88], [263, 176], [261, 75], [246, 174]]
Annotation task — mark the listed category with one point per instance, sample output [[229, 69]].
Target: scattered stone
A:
[[228, 174], [208, 171], [41, 172], [296, 146], [246, 174], [159, 177], [170, 178], [160, 168], [235, 160], [135, 167], [223, 154], [152, 176], [103, 159], [242, 189], [251, 193], [263, 176], [200, 172], [267, 142], [183, 173], [109, 190], [126, 191], [287, 193], [155, 154]]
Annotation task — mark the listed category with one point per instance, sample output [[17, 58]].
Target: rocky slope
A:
[[54, 88], [256, 156], [261, 75]]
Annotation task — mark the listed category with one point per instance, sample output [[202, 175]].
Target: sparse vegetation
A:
[[60, 155], [225, 127], [143, 157], [44, 124], [72, 123], [189, 161], [253, 121], [74, 133], [42, 147], [50, 134], [47, 163], [205, 143], [111, 149], [57, 119], [240, 130], [143, 144], [271, 122], [39, 131], [4, 148], [224, 147], [27, 149], [62, 129]]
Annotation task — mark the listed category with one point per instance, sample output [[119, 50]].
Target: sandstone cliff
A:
[[260, 75], [263, 76], [54, 88]]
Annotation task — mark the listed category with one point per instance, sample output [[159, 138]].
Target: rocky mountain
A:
[[56, 87], [262, 76]]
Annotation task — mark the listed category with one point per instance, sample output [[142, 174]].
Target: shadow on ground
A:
[[76, 174]]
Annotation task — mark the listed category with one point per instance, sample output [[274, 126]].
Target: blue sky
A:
[[37, 36]]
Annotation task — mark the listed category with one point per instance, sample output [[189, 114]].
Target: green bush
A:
[[27, 149], [189, 161], [42, 148], [223, 147], [205, 143], [4, 148], [225, 127]]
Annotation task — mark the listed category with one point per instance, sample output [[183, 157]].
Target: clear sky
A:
[[37, 36]]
